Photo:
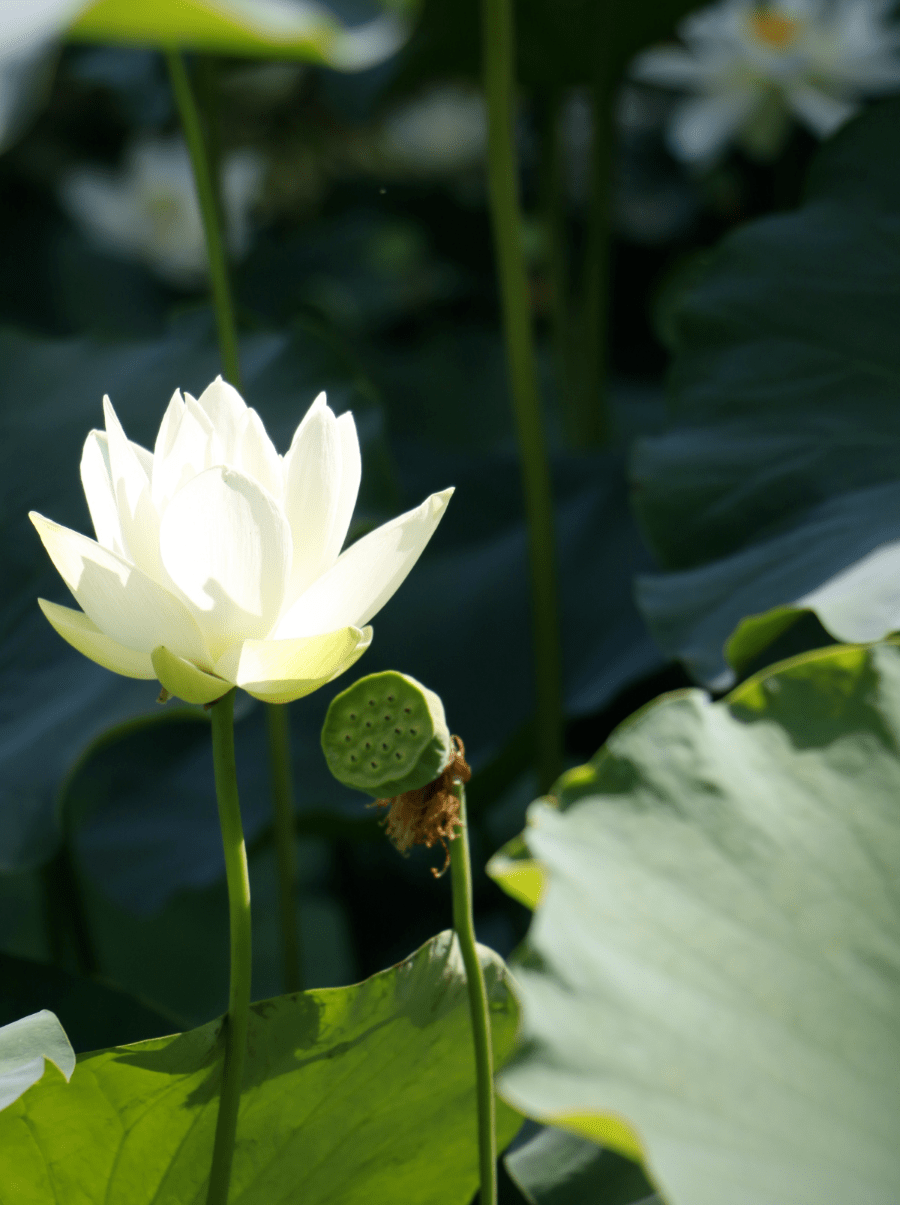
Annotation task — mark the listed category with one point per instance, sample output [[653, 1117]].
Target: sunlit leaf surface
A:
[[715, 958], [350, 1094]]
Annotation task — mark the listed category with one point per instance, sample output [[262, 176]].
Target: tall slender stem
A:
[[464, 925], [596, 418], [207, 193], [204, 153], [285, 844], [497, 52], [238, 878]]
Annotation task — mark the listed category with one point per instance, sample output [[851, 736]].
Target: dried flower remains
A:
[[431, 813]]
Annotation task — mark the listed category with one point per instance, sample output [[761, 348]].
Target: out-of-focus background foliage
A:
[[364, 266]]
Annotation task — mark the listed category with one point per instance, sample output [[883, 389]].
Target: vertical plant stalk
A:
[[553, 213], [479, 1011], [207, 195], [594, 400], [497, 52], [204, 153], [238, 878], [285, 844]]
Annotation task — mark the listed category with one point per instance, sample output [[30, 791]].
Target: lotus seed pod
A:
[[385, 735]]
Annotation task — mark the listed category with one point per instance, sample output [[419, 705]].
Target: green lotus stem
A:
[[207, 195], [594, 399], [238, 878], [200, 148], [497, 51], [479, 1011], [553, 212], [285, 843]]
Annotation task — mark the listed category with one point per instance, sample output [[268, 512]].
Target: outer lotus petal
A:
[[184, 680], [351, 475], [822, 113], [225, 408], [118, 598], [671, 67], [131, 482], [366, 575], [96, 478], [312, 488], [77, 629], [226, 545], [279, 671], [702, 127], [256, 455]]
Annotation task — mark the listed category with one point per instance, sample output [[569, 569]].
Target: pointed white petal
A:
[[279, 671], [225, 408], [366, 575], [703, 126], [351, 475], [77, 629], [226, 545], [168, 429], [184, 680], [822, 113], [256, 455], [312, 475], [118, 598], [131, 483], [188, 453], [96, 478], [670, 67]]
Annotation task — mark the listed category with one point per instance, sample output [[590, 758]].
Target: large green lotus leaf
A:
[[714, 963], [780, 467], [355, 1094], [301, 30]]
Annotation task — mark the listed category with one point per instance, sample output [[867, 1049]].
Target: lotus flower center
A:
[[774, 30], [164, 211]]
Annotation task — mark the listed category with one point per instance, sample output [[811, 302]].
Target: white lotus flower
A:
[[24, 1047], [755, 66], [442, 131], [218, 562], [149, 211]]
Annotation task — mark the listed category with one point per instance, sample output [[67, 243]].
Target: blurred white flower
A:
[[31, 29], [149, 210], [218, 562], [440, 132], [755, 66]]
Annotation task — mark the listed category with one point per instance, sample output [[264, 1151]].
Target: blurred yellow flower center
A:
[[164, 211], [773, 29]]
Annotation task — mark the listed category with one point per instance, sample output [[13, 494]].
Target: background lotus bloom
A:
[[150, 211], [218, 562], [756, 66]]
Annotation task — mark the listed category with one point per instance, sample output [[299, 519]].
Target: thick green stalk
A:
[[285, 844], [204, 152], [497, 51], [207, 195], [238, 878], [464, 924]]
